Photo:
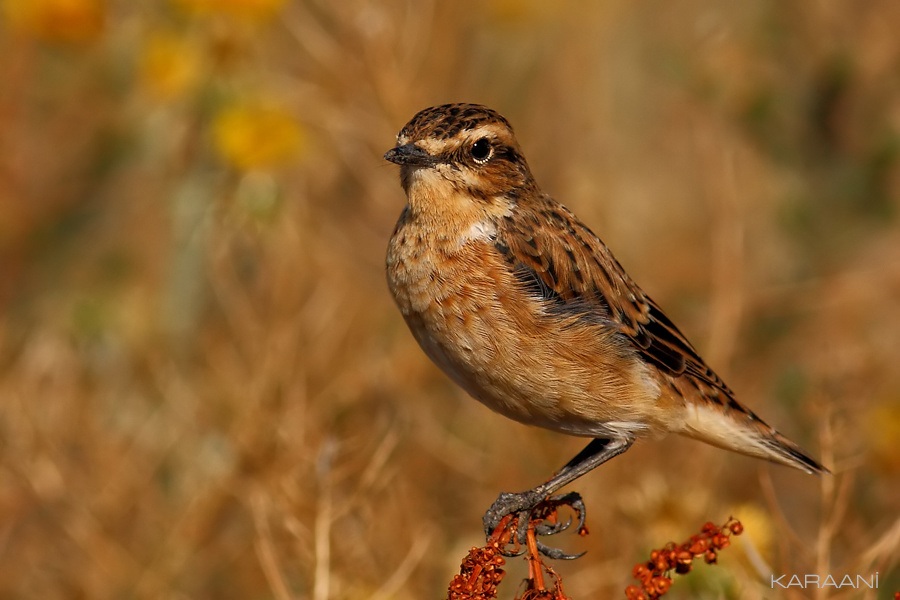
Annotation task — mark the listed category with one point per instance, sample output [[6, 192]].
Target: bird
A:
[[525, 308]]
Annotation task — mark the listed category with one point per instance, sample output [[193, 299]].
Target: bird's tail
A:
[[742, 431], [784, 451]]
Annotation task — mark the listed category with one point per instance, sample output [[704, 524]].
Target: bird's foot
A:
[[532, 510]]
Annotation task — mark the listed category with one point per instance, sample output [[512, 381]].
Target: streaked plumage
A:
[[526, 308]]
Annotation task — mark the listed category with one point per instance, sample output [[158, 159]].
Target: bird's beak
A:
[[409, 154]]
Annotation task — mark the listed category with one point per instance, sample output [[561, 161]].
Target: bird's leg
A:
[[597, 452]]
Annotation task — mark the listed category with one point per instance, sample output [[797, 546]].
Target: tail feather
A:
[[792, 455], [745, 433]]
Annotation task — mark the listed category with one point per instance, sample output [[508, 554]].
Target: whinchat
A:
[[526, 308]]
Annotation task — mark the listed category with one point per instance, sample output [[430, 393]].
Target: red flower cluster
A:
[[479, 574], [654, 574]]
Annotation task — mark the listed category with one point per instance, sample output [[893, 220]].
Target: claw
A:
[[574, 501], [509, 504], [557, 553], [537, 512], [545, 528]]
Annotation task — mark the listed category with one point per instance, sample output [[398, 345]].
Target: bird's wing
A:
[[557, 257]]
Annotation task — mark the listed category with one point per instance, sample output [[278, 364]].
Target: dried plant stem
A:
[[322, 528], [265, 550]]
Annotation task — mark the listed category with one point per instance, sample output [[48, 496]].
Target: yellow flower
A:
[[256, 135], [68, 21], [248, 10], [169, 65]]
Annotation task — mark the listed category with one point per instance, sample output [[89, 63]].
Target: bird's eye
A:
[[481, 150]]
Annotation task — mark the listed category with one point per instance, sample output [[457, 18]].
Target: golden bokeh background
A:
[[206, 391]]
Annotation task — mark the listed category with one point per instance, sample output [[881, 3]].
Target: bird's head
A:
[[462, 149]]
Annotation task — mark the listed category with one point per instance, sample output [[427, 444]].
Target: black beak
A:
[[409, 154]]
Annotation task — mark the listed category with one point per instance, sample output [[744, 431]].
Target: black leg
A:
[[597, 452]]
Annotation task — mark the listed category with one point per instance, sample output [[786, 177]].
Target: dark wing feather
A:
[[559, 259]]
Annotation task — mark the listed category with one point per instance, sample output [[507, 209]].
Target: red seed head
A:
[[661, 585]]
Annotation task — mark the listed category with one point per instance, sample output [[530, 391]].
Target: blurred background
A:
[[205, 388]]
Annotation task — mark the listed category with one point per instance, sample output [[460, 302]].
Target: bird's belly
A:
[[509, 353]]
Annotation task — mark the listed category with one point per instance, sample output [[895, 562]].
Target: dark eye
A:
[[481, 150]]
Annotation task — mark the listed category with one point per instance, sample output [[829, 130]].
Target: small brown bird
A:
[[526, 309]]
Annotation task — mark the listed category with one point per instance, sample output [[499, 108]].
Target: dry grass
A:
[[205, 390]]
